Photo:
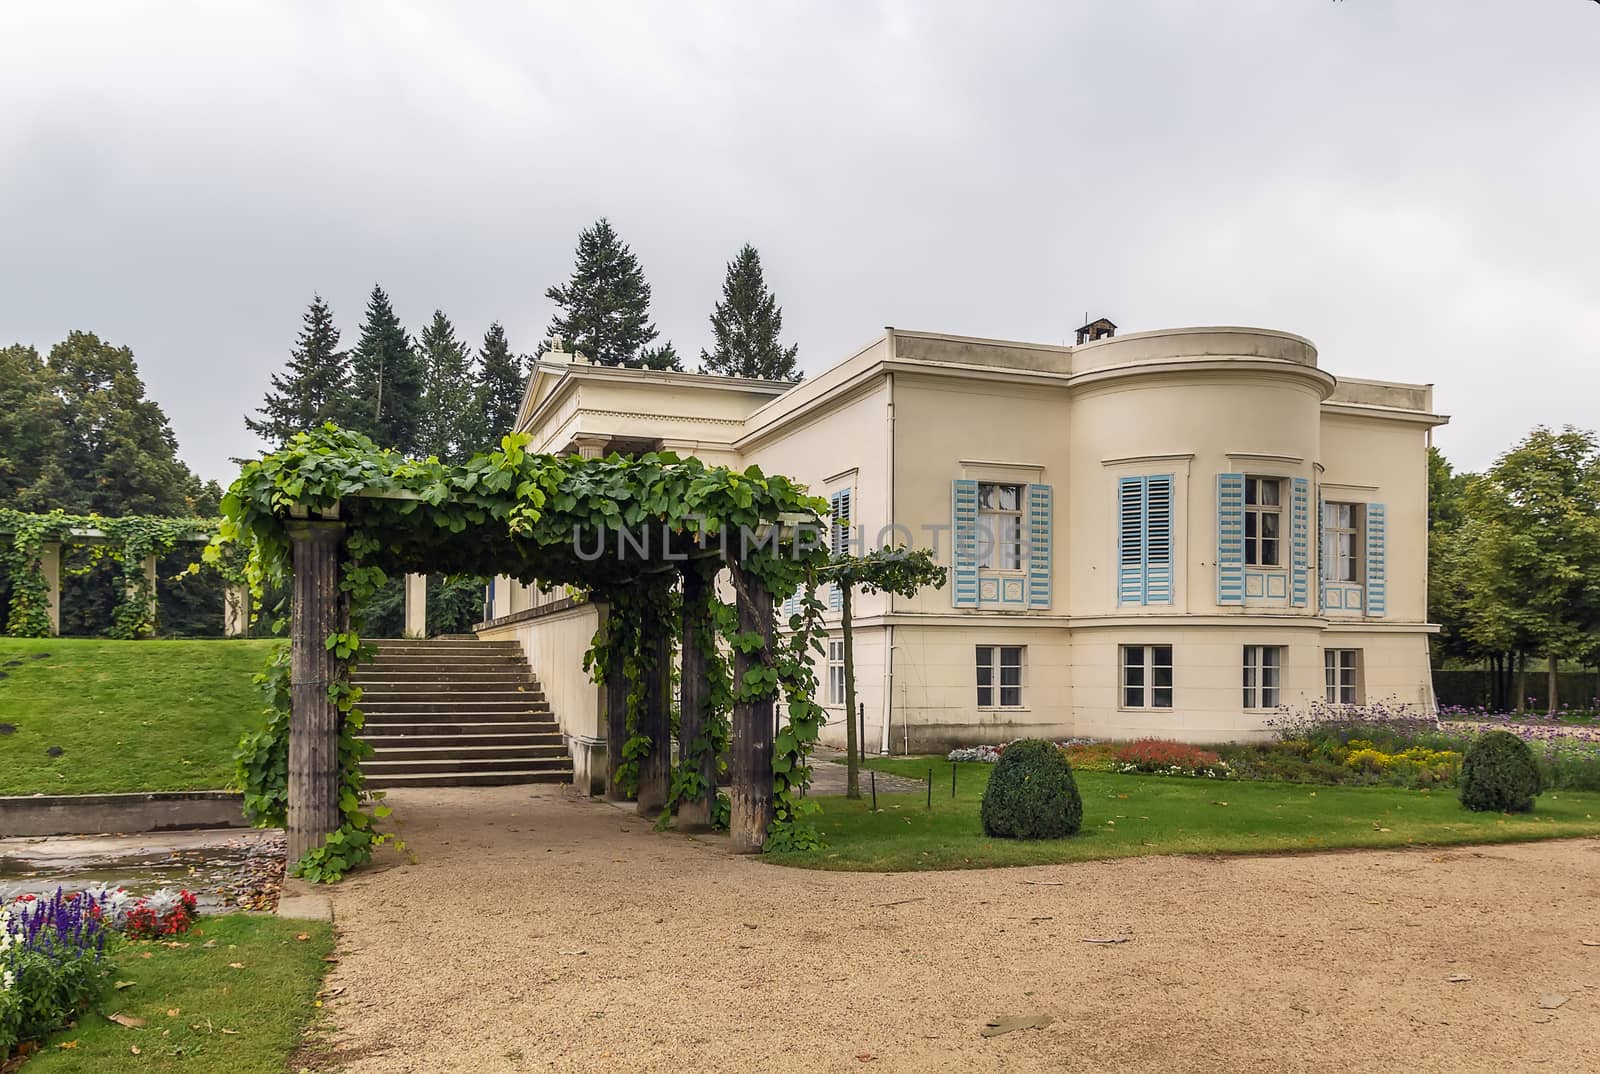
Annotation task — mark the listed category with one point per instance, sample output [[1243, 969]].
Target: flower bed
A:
[[53, 953], [1162, 757]]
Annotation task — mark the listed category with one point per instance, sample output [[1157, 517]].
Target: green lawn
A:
[[202, 1015], [127, 715], [1131, 815]]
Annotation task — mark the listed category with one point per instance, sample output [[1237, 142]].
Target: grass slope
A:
[[1131, 815], [201, 1015], [127, 715]]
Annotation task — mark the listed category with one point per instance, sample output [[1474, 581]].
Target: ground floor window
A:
[[1341, 670], [1000, 676], [836, 671], [1263, 666], [1147, 676]]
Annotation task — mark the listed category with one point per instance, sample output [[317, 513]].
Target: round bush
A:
[[1031, 794], [1499, 774]]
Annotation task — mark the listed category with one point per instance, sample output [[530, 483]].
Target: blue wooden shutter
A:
[[1230, 538], [1158, 531], [964, 544], [839, 538], [1300, 537], [1377, 583], [1130, 540], [1324, 553], [1039, 541]]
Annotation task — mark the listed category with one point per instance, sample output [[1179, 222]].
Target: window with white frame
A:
[[1263, 521], [1000, 526], [836, 671], [1341, 525], [1341, 670], [1000, 676], [1263, 676], [1147, 676]]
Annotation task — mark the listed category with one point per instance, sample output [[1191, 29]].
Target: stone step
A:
[[531, 709], [396, 645], [384, 766], [467, 726], [509, 740], [463, 751], [475, 693], [410, 675], [394, 781]]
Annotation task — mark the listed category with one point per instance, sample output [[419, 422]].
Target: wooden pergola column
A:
[[318, 610], [751, 793], [694, 814], [616, 710], [655, 767]]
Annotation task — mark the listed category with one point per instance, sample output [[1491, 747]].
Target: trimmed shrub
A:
[[1499, 774], [1031, 794]]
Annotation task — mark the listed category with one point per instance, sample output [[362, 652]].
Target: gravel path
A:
[[538, 931]]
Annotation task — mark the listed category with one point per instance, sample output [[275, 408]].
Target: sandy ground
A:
[[538, 931]]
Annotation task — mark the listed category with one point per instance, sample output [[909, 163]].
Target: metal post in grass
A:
[[873, 774], [930, 788], [861, 735], [952, 779]]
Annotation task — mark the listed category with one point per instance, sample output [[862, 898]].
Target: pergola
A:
[[647, 536]]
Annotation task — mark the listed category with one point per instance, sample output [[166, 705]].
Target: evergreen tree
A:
[[501, 383], [386, 374], [746, 324], [313, 388], [32, 433], [448, 422], [605, 306], [662, 357]]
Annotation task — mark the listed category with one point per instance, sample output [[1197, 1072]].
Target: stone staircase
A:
[[457, 712]]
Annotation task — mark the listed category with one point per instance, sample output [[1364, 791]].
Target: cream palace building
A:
[[1176, 533]]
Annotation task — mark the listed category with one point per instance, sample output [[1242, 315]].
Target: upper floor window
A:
[[999, 526], [1341, 526], [836, 671], [1263, 521], [1000, 676], [1263, 669]]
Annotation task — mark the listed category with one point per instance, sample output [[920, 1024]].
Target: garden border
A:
[[40, 815]]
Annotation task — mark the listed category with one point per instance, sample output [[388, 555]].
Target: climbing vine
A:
[[129, 541], [552, 519]]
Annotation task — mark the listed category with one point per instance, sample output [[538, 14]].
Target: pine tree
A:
[[662, 357], [501, 383], [313, 388], [448, 392], [386, 379], [605, 306], [746, 324]]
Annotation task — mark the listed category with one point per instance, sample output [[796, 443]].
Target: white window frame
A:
[[835, 671], [1000, 530], [1263, 677], [1342, 528], [992, 663], [1257, 516], [1341, 676], [1141, 669]]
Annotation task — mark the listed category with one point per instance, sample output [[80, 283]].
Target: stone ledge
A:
[[92, 814]]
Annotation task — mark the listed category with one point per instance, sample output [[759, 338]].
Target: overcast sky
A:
[[1412, 184]]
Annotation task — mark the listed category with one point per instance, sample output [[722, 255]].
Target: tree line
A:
[[431, 395], [1514, 561]]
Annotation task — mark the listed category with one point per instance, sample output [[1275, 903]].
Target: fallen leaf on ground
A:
[[126, 1021], [173, 1012], [134, 1049], [1551, 1000], [865, 1057], [1219, 803], [1106, 939], [578, 952], [236, 965], [998, 1026], [120, 985], [1045, 883], [303, 936], [1457, 978], [1590, 943], [230, 1032], [67, 1044]]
